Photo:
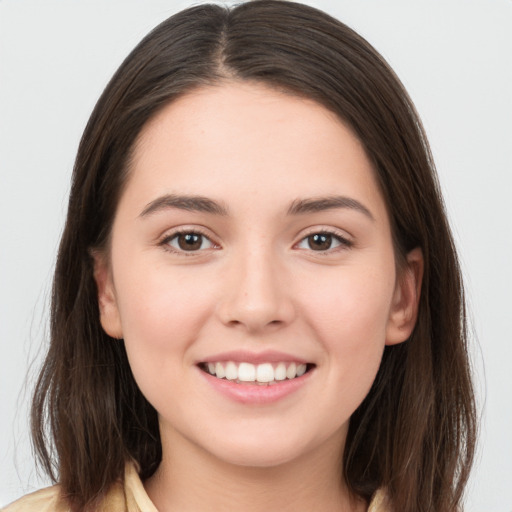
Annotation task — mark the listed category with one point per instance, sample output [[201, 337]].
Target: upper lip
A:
[[241, 356]]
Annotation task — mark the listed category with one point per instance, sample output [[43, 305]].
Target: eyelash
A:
[[165, 242], [344, 243]]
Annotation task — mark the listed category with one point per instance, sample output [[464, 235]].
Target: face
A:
[[252, 275]]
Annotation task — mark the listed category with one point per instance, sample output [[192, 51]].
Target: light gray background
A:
[[454, 57]]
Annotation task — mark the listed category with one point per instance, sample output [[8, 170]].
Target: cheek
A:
[[351, 300], [161, 314], [161, 311], [349, 313]]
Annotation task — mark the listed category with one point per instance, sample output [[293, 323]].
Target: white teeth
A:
[[280, 372], [262, 373], [231, 371], [219, 371], [291, 372], [246, 372]]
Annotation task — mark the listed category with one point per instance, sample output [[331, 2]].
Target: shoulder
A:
[[52, 500], [127, 495], [379, 502], [44, 500]]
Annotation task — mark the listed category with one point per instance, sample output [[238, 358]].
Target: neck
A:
[[190, 479]]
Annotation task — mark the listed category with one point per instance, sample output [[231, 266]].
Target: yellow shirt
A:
[[130, 497]]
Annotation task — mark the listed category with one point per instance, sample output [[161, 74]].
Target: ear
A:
[[107, 302], [404, 309]]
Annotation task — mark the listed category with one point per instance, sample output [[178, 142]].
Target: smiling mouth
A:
[[264, 374]]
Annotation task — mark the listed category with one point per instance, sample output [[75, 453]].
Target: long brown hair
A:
[[414, 433]]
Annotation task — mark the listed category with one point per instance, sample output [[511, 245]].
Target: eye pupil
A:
[[320, 241], [189, 241]]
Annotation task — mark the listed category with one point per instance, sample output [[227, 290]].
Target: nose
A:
[[256, 295]]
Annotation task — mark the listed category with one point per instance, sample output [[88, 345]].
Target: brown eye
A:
[[323, 241], [189, 242], [320, 241]]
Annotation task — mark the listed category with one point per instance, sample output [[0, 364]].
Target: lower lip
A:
[[254, 393]]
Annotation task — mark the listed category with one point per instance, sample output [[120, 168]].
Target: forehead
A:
[[243, 140]]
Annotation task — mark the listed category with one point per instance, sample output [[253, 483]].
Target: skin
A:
[[255, 283]]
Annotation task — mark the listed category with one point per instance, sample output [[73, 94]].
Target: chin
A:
[[258, 456], [257, 450]]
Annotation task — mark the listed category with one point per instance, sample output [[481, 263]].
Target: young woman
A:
[[257, 303]]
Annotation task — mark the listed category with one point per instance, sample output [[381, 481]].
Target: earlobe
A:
[[404, 310], [107, 303]]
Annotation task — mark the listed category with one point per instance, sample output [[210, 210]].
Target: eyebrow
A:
[[319, 204], [183, 202], [206, 205]]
